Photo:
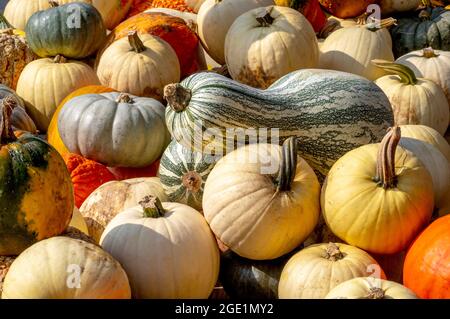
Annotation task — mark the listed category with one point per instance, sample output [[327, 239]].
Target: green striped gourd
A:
[[183, 174], [331, 113]]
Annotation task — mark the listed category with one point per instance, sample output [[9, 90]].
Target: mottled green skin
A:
[[414, 33], [49, 33], [28, 151]]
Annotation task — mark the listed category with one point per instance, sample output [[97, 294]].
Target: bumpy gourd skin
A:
[[36, 196]]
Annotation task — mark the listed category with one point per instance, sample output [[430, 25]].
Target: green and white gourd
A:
[[183, 174], [330, 112]]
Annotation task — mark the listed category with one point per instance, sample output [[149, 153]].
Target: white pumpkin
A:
[[216, 17], [265, 44], [414, 100]]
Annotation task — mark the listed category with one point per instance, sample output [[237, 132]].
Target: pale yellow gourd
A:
[[149, 61], [315, 270], [352, 49], [44, 83], [265, 44], [262, 200], [65, 268], [78, 221], [370, 288], [372, 198], [167, 250], [413, 100]]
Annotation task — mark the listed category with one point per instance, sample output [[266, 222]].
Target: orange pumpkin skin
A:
[[427, 265], [86, 175], [179, 5], [171, 29], [123, 173], [346, 8], [52, 133], [139, 6]]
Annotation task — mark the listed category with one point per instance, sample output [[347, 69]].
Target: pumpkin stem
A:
[[375, 293], [424, 15], [135, 42], [4, 23], [59, 59], [385, 175], [429, 53], [265, 19], [192, 181], [333, 252], [177, 96], [53, 4], [376, 25], [124, 98], [6, 108], [152, 207], [406, 75], [330, 27], [288, 164]]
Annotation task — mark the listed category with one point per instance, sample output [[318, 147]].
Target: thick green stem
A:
[[135, 42], [380, 24], [385, 174], [4, 23], [288, 164], [406, 75], [6, 109], [152, 207]]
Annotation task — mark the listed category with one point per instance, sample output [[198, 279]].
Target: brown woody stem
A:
[[152, 207], [53, 4], [288, 164], [333, 252], [124, 98], [385, 174], [265, 19], [375, 293], [59, 59], [6, 109], [429, 53], [135, 42], [192, 181], [177, 96]]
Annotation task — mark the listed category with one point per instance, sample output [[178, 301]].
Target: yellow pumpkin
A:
[[370, 288], [372, 198], [262, 212], [414, 100], [167, 250], [44, 83], [314, 271], [65, 268]]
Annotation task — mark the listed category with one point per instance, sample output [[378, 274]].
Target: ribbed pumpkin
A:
[[151, 64], [15, 54], [86, 175], [113, 12], [111, 198], [36, 192], [44, 83], [414, 100], [369, 42], [379, 183], [262, 212], [183, 174], [174, 239], [265, 44], [117, 137], [19, 117], [172, 30], [430, 64], [215, 19], [53, 132], [314, 271], [426, 269], [346, 8], [311, 9], [428, 28], [65, 268], [370, 288], [56, 31]]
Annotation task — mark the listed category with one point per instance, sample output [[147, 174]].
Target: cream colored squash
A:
[[167, 250], [414, 100], [370, 288], [430, 64], [65, 268], [314, 271], [216, 17], [265, 44], [378, 197], [352, 49], [149, 61], [393, 6], [111, 198], [44, 83], [78, 221], [262, 212]]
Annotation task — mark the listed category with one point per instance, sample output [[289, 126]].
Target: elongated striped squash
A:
[[183, 174], [330, 112]]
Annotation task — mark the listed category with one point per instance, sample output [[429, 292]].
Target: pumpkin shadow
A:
[[331, 57]]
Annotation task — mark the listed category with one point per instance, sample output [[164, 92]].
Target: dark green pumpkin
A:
[[74, 30], [428, 28], [243, 278]]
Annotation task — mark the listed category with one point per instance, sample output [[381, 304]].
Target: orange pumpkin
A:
[[139, 6], [346, 8], [53, 134], [86, 175], [427, 264], [179, 5], [171, 29], [123, 173]]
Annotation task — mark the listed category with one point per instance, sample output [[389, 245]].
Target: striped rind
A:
[[330, 112]]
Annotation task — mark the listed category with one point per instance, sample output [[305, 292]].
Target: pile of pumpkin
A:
[[108, 190]]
